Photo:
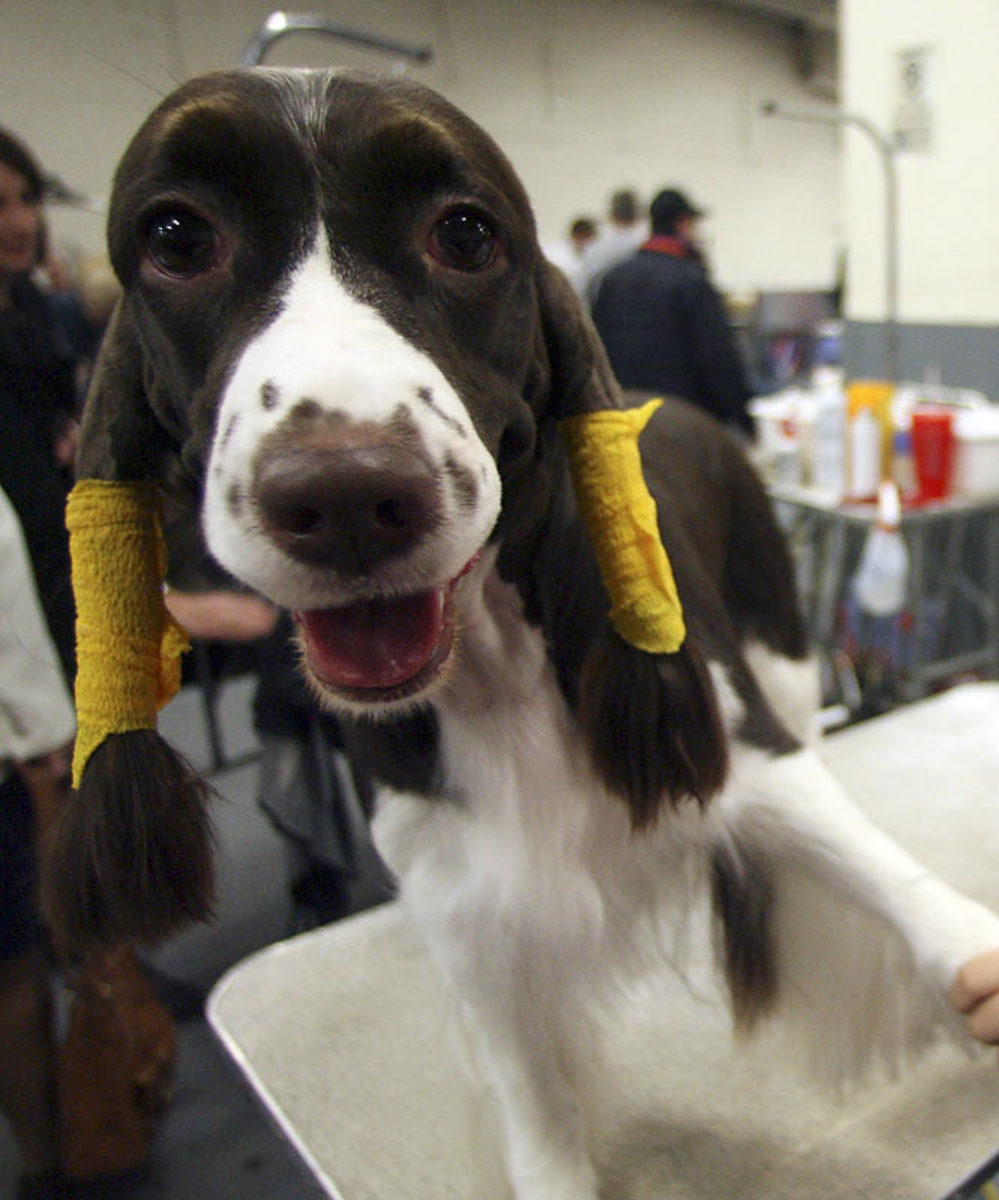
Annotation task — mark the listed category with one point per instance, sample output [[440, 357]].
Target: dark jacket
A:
[[36, 396], [665, 330]]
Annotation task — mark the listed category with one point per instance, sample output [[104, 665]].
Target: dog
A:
[[340, 344]]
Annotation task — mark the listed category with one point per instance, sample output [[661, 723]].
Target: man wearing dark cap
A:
[[663, 323]]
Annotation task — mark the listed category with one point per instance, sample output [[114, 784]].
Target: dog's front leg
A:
[[791, 809], [505, 973], [523, 1056]]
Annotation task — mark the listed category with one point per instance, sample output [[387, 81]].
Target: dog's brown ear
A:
[[646, 701], [131, 854], [652, 726], [121, 438], [581, 377]]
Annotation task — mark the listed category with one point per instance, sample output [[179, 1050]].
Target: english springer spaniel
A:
[[340, 343]]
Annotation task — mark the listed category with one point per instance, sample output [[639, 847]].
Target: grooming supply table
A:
[[348, 1036], [953, 580]]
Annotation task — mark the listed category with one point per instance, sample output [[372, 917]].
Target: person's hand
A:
[[66, 444], [221, 616], [975, 992]]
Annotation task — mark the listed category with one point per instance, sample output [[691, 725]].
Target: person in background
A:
[[37, 395], [34, 367], [569, 255], [663, 323], [313, 793], [36, 730], [221, 614], [82, 307], [626, 229]]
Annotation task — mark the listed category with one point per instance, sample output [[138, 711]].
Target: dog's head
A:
[[339, 340], [336, 315]]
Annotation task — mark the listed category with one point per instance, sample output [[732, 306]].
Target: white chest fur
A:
[[527, 838]]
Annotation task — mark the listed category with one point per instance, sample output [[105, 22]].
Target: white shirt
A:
[[36, 711], [570, 261], [614, 245]]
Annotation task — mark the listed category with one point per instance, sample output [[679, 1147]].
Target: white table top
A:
[[346, 1035]]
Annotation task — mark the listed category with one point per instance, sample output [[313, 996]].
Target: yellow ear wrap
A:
[[620, 517], [128, 647]]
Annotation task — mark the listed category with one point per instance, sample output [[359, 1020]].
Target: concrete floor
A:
[[216, 1143]]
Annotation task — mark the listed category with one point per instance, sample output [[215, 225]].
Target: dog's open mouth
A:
[[381, 649]]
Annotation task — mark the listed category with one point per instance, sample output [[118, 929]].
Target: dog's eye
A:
[[464, 241], [181, 243]]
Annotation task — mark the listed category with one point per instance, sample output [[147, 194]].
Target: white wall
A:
[[584, 95], [949, 194]]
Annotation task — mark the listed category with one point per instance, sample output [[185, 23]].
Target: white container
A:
[[976, 452], [865, 456], [777, 449], [882, 579], [829, 444]]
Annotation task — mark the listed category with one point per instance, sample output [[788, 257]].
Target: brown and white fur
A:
[[340, 343]]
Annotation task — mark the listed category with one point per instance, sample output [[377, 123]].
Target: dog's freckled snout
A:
[[346, 507]]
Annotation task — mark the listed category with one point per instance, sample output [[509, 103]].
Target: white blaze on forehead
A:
[[332, 350]]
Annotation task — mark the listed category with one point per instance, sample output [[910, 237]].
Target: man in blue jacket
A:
[[663, 323]]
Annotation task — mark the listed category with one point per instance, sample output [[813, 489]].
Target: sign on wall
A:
[[913, 124]]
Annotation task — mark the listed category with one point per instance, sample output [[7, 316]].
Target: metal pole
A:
[[886, 153], [279, 24]]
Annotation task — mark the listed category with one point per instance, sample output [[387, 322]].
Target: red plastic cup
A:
[[933, 452]]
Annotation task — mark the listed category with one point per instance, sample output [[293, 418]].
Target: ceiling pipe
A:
[[886, 155], [280, 24]]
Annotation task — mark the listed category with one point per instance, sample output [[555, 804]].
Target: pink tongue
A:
[[377, 644]]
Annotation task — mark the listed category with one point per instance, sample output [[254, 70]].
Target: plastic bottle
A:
[[903, 468], [870, 429], [881, 583], [829, 444], [865, 455]]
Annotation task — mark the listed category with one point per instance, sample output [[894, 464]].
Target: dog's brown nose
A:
[[346, 507]]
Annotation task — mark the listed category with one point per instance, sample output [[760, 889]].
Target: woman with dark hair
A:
[[36, 398], [37, 392]]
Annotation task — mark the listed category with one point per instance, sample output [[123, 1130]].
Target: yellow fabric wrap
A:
[[128, 647], [620, 517]]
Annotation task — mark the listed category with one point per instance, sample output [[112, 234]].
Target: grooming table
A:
[[348, 1037]]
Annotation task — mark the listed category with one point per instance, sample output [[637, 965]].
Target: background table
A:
[[951, 622]]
